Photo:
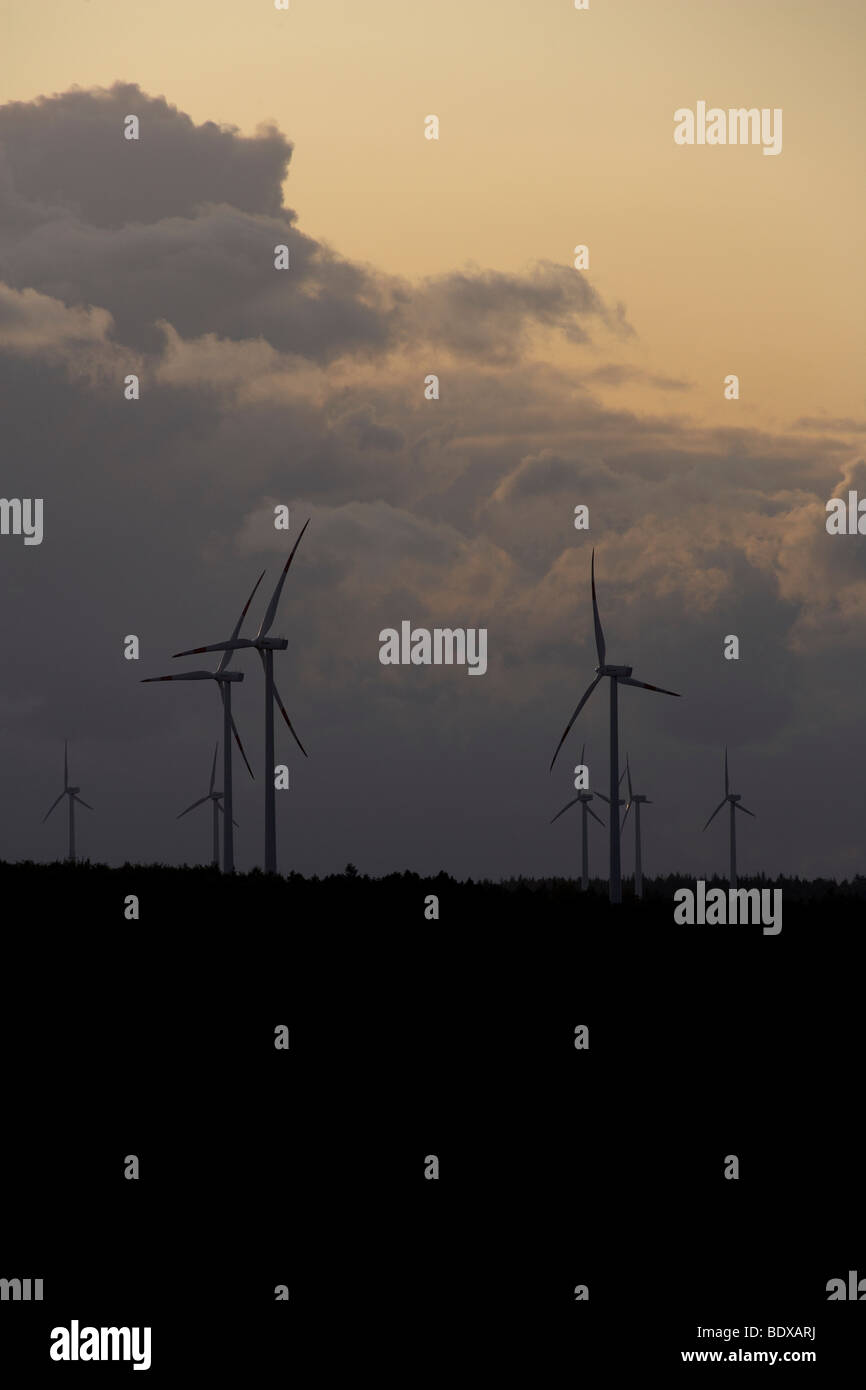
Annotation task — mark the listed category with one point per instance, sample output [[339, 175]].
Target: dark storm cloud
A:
[[361, 425], [549, 473], [179, 225], [67, 151], [182, 224], [212, 273], [307, 389]]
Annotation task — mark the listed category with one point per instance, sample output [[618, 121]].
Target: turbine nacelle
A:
[[274, 644], [734, 797], [72, 791], [614, 670]]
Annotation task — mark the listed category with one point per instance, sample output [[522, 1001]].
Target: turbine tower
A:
[[736, 805], [224, 680], [618, 675], [214, 798], [72, 793], [635, 800], [584, 798], [266, 646]]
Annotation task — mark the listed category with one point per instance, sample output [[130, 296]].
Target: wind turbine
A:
[[618, 675], [735, 804], [224, 680], [584, 798], [214, 798], [266, 646], [635, 800], [72, 793]]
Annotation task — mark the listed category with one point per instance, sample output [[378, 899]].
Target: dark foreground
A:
[[412, 1036]]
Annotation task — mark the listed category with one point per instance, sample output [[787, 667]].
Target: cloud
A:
[[68, 152], [306, 389], [621, 374], [836, 424], [30, 322], [180, 226], [490, 314]]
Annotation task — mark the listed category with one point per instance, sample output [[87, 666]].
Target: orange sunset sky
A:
[[556, 128]]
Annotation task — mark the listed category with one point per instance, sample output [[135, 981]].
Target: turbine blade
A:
[[65, 764], [222, 813], [565, 808], [627, 680], [185, 676], [727, 788], [227, 651], [590, 812], [625, 817], [51, 807], [288, 721], [271, 611], [237, 735], [200, 802], [82, 802], [740, 807], [216, 749], [599, 634], [241, 747], [583, 701], [603, 797], [231, 646], [716, 812]]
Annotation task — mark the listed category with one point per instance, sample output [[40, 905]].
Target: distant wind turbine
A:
[[635, 800], [583, 798], [72, 793], [618, 675], [214, 798], [735, 805], [224, 680], [266, 646]]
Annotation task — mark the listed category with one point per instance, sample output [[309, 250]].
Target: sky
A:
[[558, 387]]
